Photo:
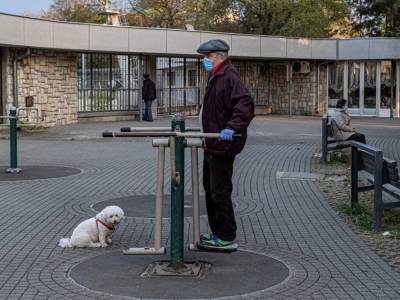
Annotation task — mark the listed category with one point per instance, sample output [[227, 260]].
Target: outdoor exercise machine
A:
[[176, 138], [12, 117]]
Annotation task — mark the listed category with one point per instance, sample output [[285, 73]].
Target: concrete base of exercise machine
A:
[[37, 172], [239, 273]]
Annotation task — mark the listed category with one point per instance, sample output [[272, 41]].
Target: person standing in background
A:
[[149, 95]]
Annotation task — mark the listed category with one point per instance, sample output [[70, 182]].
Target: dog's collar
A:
[[104, 224]]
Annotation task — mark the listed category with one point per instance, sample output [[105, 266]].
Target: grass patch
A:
[[338, 194], [361, 215]]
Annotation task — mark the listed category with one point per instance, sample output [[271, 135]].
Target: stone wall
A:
[[51, 78], [304, 91], [275, 89]]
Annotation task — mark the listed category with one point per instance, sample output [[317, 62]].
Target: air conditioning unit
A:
[[301, 67]]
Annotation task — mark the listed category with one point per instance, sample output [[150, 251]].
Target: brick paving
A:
[[286, 219]]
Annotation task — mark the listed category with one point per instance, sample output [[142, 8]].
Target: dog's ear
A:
[[101, 216]]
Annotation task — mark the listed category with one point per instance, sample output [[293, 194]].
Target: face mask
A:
[[208, 64]]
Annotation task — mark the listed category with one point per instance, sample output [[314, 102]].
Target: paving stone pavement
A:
[[286, 219]]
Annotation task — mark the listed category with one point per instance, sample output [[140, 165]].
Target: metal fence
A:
[[180, 84], [108, 82]]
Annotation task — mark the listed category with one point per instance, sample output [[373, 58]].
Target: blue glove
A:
[[226, 134]]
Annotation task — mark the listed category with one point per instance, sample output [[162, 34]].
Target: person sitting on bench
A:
[[342, 130]]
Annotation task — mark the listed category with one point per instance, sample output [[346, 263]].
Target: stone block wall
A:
[[51, 78], [304, 91]]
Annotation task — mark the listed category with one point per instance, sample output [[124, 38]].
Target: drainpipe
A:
[[15, 75]]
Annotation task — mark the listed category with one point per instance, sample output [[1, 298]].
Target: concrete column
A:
[[7, 73], [346, 81], [362, 86], [327, 90], [3, 77], [378, 88]]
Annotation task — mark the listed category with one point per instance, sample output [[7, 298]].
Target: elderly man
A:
[[227, 109]]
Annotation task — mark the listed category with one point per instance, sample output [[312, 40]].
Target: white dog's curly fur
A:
[[95, 232]]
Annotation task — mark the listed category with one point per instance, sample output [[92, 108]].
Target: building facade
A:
[[61, 73]]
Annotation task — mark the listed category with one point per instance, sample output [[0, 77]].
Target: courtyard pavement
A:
[[287, 220]]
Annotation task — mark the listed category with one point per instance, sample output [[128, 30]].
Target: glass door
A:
[[386, 89], [369, 104], [353, 90], [335, 83]]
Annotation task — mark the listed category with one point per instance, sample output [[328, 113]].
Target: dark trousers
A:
[[358, 137], [148, 116], [217, 182]]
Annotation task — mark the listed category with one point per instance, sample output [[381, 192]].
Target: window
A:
[[335, 77], [354, 85], [386, 82], [192, 78], [370, 85]]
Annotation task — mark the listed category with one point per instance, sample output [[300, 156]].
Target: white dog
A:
[[95, 232]]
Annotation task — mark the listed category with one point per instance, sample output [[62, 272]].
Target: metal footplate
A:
[[198, 269], [228, 249]]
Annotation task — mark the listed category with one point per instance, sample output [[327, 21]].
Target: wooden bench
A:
[[329, 144], [382, 174]]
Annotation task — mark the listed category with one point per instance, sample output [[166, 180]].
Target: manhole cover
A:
[[231, 274], [144, 206], [37, 172]]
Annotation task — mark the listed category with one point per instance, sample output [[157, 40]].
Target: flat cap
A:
[[213, 46]]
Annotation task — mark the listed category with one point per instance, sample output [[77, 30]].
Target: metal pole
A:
[[140, 84], [169, 85], [196, 196], [177, 195], [354, 175], [165, 134], [13, 142], [155, 129], [184, 85], [159, 197]]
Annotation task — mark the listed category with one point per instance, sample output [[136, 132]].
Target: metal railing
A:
[[108, 82]]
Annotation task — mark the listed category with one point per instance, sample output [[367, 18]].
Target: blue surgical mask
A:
[[208, 64]]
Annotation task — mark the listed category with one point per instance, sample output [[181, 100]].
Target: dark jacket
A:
[[149, 90], [227, 104]]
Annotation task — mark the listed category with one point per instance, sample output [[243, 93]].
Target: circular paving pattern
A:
[[143, 206], [226, 277], [37, 172]]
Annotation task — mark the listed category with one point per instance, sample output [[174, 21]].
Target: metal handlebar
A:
[[165, 134], [153, 129]]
